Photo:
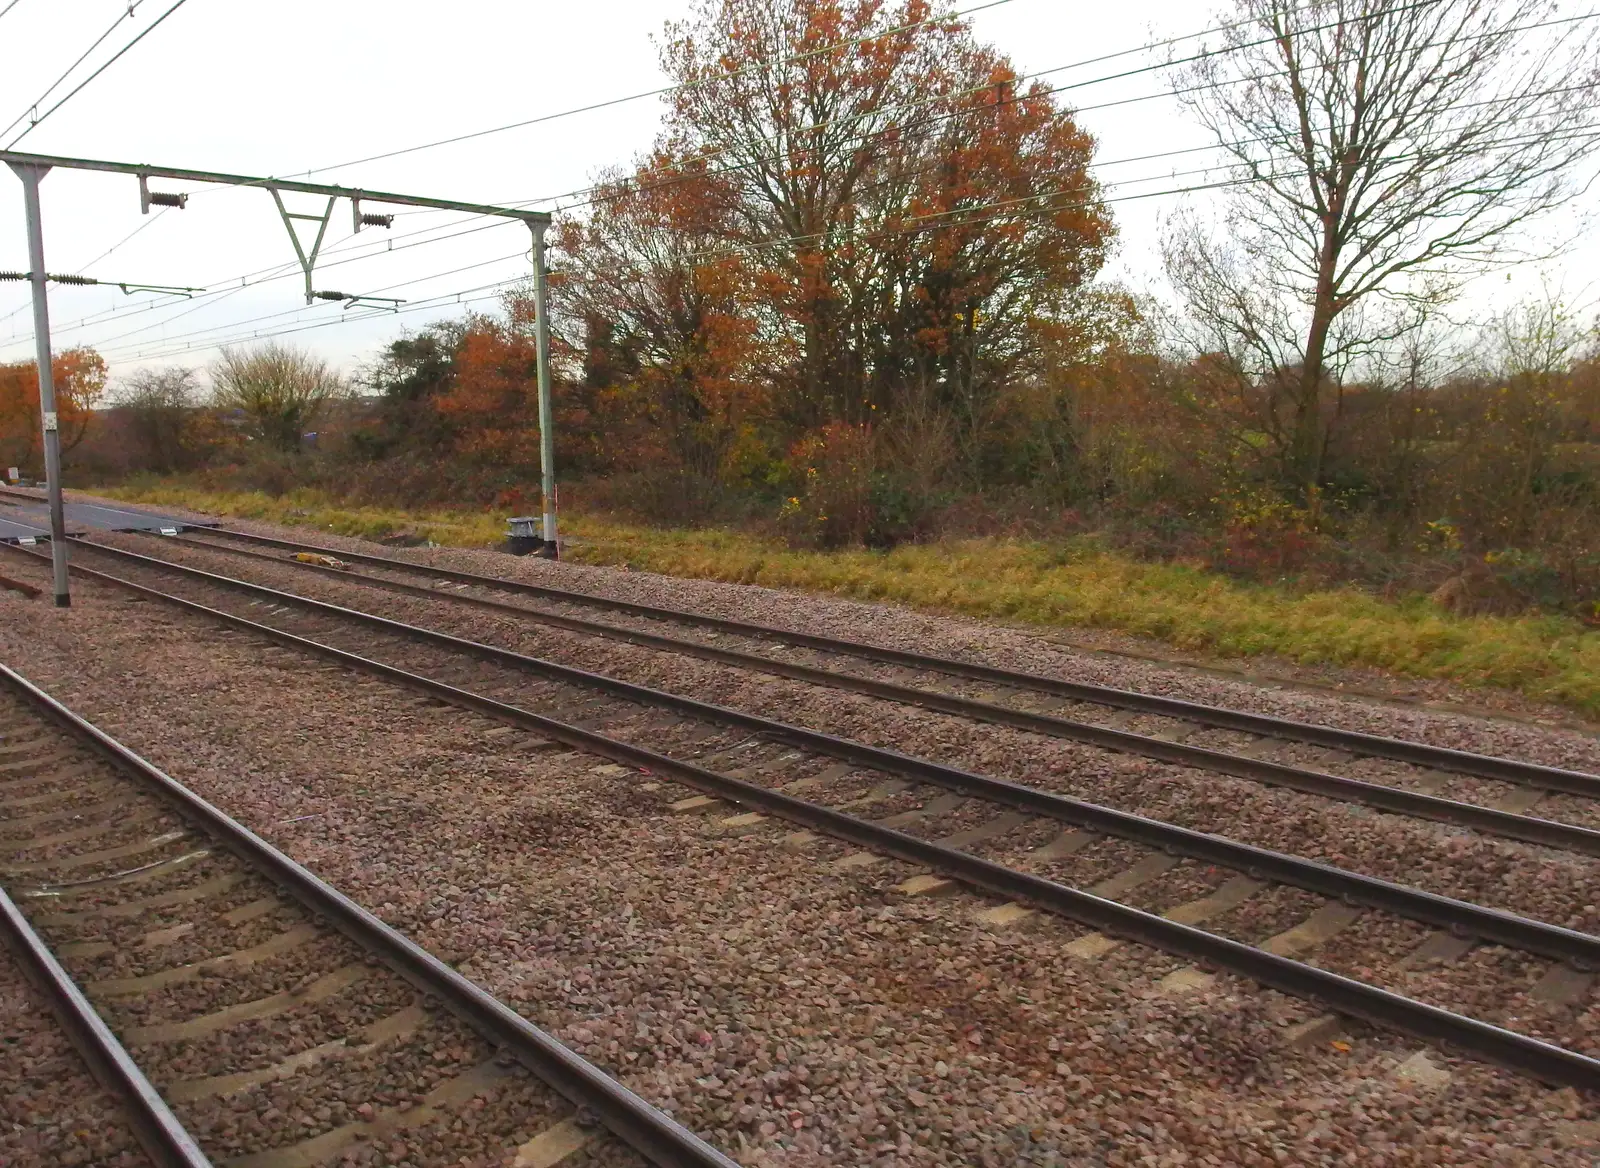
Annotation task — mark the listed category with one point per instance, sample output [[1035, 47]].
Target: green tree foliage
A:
[[280, 392]]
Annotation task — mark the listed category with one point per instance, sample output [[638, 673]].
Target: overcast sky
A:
[[298, 85]]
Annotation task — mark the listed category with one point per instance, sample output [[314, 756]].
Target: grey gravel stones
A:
[[798, 1014]]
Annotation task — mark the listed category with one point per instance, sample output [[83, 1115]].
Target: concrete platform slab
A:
[[13, 530], [30, 510]]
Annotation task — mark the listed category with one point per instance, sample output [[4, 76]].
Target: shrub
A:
[[844, 496], [279, 391]]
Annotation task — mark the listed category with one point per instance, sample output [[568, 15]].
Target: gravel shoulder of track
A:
[[1538, 734], [792, 1014], [1559, 887]]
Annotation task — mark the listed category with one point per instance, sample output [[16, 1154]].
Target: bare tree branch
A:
[[1394, 149]]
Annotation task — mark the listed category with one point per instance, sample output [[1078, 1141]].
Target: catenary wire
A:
[[659, 92], [967, 213], [923, 223], [287, 268], [107, 348], [448, 299], [85, 82], [98, 41], [600, 187], [684, 86], [314, 307], [284, 269], [1049, 91]]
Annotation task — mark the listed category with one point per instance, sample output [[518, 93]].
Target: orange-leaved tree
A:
[[853, 207], [492, 401], [80, 383], [674, 323], [796, 103], [987, 221]]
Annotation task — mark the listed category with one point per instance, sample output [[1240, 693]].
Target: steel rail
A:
[[1582, 950], [1394, 799], [1357, 742], [1544, 1061], [32, 592], [158, 1131], [650, 1132], [1526, 828]]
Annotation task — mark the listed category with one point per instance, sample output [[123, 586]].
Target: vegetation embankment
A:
[[775, 345], [1072, 582]]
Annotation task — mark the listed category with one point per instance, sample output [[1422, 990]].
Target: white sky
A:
[[279, 88]]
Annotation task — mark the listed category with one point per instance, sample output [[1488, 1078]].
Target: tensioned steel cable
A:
[[237, 324], [664, 90], [1147, 47], [596, 191], [106, 347], [82, 84], [98, 41], [287, 268], [960, 113], [1039, 197], [84, 268], [1056, 89], [444, 300], [922, 222]]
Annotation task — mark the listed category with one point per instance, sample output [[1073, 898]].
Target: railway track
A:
[[280, 1023], [1142, 876], [50, 1104], [1498, 796]]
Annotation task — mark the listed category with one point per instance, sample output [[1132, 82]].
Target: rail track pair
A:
[[316, 626], [203, 958]]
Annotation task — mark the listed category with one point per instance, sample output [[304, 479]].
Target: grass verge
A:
[[1546, 658]]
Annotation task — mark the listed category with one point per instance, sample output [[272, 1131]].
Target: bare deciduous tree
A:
[[158, 404], [279, 389], [1385, 151]]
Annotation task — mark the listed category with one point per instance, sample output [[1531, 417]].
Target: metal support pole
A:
[[30, 176], [547, 422]]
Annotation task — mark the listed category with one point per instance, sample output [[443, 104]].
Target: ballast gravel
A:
[[1554, 744], [1555, 886], [791, 1012], [53, 1114]]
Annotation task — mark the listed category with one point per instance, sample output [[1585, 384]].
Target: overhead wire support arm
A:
[[307, 260], [356, 300], [128, 287], [218, 178]]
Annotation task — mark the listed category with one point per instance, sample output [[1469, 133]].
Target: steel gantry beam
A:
[[218, 178], [31, 169]]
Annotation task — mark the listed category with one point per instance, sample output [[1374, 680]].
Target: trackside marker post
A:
[[547, 418]]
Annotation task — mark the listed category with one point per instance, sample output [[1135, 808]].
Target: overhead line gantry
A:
[[31, 169]]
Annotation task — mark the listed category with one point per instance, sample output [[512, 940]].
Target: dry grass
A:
[[307, 508], [1545, 658]]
